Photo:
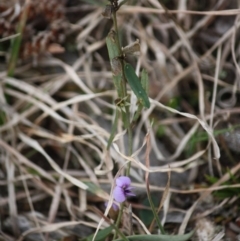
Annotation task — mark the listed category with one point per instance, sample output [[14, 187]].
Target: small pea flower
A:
[[122, 189]]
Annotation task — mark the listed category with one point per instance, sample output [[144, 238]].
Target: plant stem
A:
[[114, 128], [126, 116], [130, 141], [127, 119], [124, 87]]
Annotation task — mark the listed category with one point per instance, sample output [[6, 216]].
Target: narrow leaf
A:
[[101, 235], [135, 85], [160, 237]]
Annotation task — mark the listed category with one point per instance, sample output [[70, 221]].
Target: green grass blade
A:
[[16, 43]]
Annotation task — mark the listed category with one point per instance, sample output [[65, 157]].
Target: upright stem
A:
[[120, 50], [126, 118], [130, 142]]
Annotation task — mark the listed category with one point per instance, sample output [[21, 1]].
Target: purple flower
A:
[[122, 189]]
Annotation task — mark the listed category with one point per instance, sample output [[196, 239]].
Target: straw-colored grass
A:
[[57, 111]]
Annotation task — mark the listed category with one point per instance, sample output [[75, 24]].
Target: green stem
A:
[[126, 120], [119, 232], [155, 213], [119, 219], [130, 141], [125, 115], [116, 29], [124, 87], [114, 128]]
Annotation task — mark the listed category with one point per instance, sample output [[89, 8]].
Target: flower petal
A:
[[128, 192], [123, 181], [118, 194]]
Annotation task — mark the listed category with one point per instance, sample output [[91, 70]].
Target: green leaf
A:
[[135, 85], [101, 235], [2, 118], [33, 172], [145, 80], [161, 131], [174, 102], [211, 179], [146, 215], [96, 2], [160, 237]]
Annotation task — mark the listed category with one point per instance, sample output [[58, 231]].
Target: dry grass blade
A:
[[138, 9], [25, 161], [207, 192], [34, 144], [201, 122], [52, 227], [212, 109], [12, 195], [58, 109]]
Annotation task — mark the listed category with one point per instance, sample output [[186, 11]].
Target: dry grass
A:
[[57, 112]]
